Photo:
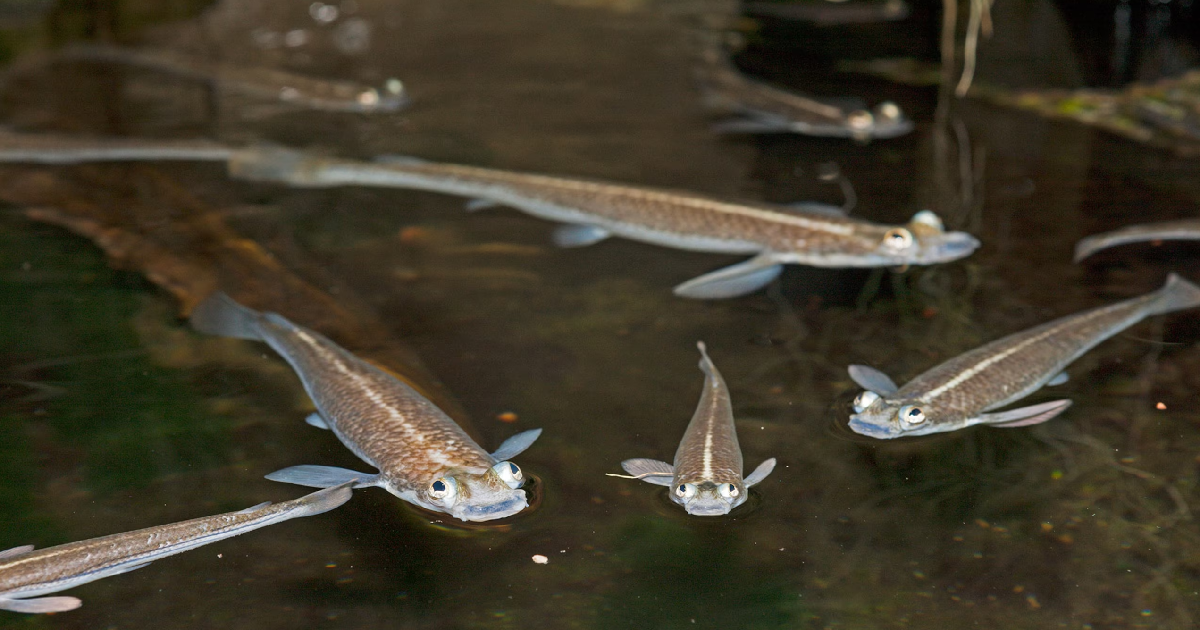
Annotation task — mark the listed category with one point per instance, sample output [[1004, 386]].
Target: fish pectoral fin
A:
[[1025, 416], [516, 445], [475, 205], [315, 420], [323, 477], [15, 551], [1061, 378], [734, 280], [41, 604], [760, 473], [650, 470], [871, 379], [579, 235]]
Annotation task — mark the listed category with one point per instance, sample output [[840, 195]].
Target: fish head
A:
[[708, 498], [390, 96], [923, 241], [888, 418], [477, 494], [885, 121]]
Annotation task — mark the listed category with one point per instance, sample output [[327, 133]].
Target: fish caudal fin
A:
[[323, 477], [1177, 294], [220, 315], [41, 604]]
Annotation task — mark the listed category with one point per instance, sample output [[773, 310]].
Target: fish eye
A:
[[928, 219], [727, 490], [912, 415], [509, 473], [889, 110], [898, 239], [864, 400], [394, 86], [860, 119], [686, 490], [443, 489]]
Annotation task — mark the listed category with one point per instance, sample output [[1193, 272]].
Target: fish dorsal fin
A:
[[516, 445], [16, 551], [760, 473], [871, 379], [40, 604], [1025, 416], [649, 470]]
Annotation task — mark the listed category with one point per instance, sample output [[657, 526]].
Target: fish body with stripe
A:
[[966, 390], [1180, 230], [706, 478], [422, 456], [593, 210], [763, 108], [27, 575]]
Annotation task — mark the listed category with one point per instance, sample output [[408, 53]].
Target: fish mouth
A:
[[870, 429], [708, 509], [947, 247], [492, 511]]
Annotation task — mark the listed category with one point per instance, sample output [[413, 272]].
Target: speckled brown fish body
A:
[[596, 210], [59, 149], [1181, 230], [26, 574], [422, 455], [706, 478], [957, 393]]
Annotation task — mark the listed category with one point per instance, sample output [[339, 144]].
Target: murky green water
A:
[[114, 416]]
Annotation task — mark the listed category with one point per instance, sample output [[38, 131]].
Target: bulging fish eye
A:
[[864, 400], [912, 415], [928, 219], [898, 239], [860, 120], [685, 490], [727, 490], [443, 489], [888, 110], [394, 85], [510, 474]]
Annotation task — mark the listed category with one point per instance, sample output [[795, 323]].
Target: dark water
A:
[[114, 416]]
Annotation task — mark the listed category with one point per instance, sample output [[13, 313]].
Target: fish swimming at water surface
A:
[[26, 575], [594, 211], [422, 456], [706, 478], [268, 83], [1180, 230], [763, 108], [964, 390]]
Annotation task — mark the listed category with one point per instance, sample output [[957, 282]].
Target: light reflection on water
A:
[[1085, 520]]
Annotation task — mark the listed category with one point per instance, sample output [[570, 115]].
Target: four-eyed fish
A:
[[1180, 230], [775, 235], [963, 391], [423, 457], [706, 478], [27, 574]]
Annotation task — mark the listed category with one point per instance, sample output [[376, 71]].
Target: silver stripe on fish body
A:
[[1181, 230], [26, 575], [423, 457], [706, 478], [593, 210], [965, 390]]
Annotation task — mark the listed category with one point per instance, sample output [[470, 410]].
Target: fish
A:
[[706, 478], [966, 390], [831, 12], [593, 211], [288, 87], [763, 108], [1181, 230], [26, 574], [31, 148], [423, 457]]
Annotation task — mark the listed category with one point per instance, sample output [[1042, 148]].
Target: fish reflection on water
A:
[[422, 455], [27, 574], [1181, 230], [706, 478], [963, 391], [594, 211]]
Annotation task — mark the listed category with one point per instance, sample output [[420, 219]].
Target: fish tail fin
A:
[[1177, 294], [220, 315]]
